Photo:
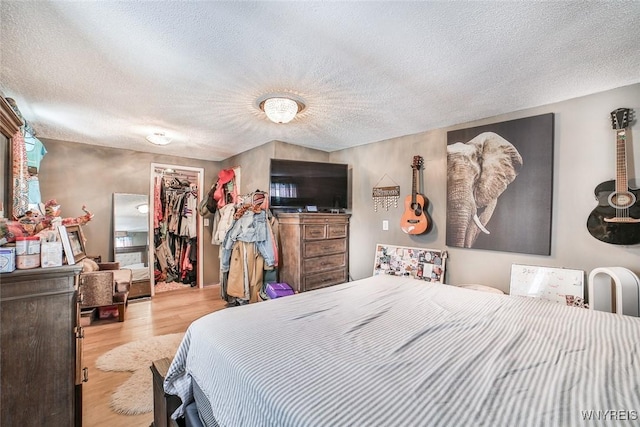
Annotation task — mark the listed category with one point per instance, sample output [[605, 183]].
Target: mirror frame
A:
[[10, 123]]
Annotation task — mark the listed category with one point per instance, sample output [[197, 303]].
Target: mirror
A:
[[131, 231]]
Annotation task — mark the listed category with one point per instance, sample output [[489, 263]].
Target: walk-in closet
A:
[[176, 248]]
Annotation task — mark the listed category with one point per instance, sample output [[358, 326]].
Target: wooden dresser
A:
[[314, 249], [41, 348]]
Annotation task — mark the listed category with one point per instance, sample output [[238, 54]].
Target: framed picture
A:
[[500, 185], [76, 240], [66, 245]]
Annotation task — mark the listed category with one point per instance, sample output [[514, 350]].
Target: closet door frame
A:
[[199, 222]]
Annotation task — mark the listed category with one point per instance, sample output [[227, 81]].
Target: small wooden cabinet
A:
[[314, 249], [41, 348]]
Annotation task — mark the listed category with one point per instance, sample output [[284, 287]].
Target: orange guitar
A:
[[415, 219]]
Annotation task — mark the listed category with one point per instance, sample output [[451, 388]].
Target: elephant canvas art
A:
[[499, 184], [478, 172]]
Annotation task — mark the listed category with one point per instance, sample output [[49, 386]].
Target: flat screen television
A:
[[298, 184]]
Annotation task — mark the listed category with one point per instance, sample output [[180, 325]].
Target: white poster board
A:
[[560, 285], [419, 263]]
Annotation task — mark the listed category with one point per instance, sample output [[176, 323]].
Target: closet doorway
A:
[[176, 241]]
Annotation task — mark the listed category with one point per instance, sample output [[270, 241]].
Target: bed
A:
[[394, 351], [134, 261], [139, 271], [134, 258]]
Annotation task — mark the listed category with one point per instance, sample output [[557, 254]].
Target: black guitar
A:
[[616, 219]]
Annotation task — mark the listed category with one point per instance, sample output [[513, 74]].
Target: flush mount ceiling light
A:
[[280, 109], [143, 208], [158, 139]]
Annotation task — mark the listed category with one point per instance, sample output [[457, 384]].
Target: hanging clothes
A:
[[157, 202], [35, 151], [246, 272], [175, 229], [20, 168], [248, 250], [189, 224], [20, 176]]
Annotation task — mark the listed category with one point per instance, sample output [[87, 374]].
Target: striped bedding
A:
[[393, 351]]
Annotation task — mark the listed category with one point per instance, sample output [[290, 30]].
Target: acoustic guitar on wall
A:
[[616, 219], [415, 219]]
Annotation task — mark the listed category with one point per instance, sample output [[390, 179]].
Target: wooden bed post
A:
[[163, 404]]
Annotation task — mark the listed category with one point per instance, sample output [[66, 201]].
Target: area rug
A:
[[169, 286], [135, 396]]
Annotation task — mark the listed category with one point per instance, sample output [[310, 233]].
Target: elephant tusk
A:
[[479, 224]]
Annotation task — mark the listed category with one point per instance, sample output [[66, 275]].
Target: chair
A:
[[108, 286]]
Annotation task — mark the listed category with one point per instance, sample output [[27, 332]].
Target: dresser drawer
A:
[[315, 231], [335, 231], [325, 231], [322, 263], [327, 278], [323, 247]]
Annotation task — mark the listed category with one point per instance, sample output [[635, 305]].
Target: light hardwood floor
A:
[[167, 313]]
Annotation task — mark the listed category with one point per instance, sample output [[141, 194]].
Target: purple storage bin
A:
[[277, 290]]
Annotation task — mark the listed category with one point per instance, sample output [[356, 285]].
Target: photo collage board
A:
[[419, 263]]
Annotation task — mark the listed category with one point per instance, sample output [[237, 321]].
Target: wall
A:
[[75, 174], [584, 156], [255, 163]]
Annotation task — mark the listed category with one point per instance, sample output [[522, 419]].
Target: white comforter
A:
[[392, 351]]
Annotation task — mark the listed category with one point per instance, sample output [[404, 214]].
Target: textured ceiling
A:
[[109, 73]]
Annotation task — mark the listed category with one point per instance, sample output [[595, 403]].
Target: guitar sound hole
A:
[[622, 200]]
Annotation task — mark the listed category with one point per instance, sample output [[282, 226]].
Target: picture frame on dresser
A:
[[66, 245], [76, 240]]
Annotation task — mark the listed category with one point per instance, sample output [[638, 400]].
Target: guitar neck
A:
[[414, 185], [622, 182]]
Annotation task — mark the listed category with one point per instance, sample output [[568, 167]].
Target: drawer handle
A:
[[85, 375], [80, 332]]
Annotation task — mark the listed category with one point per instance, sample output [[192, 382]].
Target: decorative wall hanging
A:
[[385, 196], [419, 263], [500, 184]]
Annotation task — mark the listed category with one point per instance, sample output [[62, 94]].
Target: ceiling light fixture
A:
[[143, 208], [280, 109], [158, 139]]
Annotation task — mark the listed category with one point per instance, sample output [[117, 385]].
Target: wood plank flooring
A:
[[167, 313]]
